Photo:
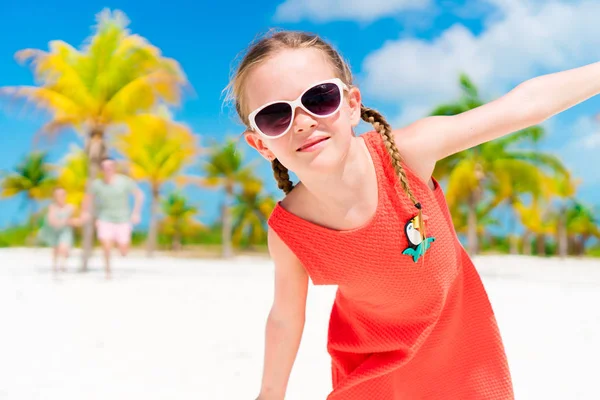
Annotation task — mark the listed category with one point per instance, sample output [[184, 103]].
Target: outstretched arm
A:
[[83, 217], [285, 323], [530, 103], [137, 205]]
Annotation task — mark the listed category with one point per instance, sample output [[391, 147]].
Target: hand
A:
[[135, 218], [79, 221], [74, 222]]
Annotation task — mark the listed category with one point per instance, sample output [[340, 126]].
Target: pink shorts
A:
[[114, 232]]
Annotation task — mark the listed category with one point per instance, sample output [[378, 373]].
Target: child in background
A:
[[57, 229]]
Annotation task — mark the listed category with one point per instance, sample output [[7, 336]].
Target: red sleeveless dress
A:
[[401, 329]]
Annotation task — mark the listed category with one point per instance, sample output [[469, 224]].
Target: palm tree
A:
[[536, 219], [250, 212], [157, 150], [32, 179], [564, 189], [473, 173], [581, 226], [116, 74], [485, 219], [225, 169], [516, 181], [179, 219], [72, 175]]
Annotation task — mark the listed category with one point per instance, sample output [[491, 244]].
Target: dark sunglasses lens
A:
[[322, 99], [274, 119]]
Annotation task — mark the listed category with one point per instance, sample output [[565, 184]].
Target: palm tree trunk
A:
[[153, 231], [31, 212], [563, 242], [227, 224], [584, 239], [30, 236], [571, 244], [527, 243], [514, 244], [541, 244], [95, 149], [176, 241], [472, 225], [88, 227]]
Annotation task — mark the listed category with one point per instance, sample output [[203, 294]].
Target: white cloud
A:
[[521, 39], [591, 141], [360, 10], [586, 132], [577, 146]]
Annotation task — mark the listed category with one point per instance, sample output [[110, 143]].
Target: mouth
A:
[[311, 143]]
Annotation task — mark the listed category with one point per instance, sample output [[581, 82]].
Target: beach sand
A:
[[172, 328]]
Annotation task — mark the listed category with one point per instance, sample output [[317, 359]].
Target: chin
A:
[[325, 160]]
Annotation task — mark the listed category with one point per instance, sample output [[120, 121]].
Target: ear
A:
[[258, 143], [354, 102]]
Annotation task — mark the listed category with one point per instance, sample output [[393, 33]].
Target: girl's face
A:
[[60, 196], [285, 76]]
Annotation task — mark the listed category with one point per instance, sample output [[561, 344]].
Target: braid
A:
[[282, 176], [385, 130]]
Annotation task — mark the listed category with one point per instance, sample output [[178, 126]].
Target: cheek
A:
[[279, 147], [343, 121]]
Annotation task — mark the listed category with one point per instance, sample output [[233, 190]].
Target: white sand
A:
[[190, 329]]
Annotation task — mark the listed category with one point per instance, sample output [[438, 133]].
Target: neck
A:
[[347, 187]]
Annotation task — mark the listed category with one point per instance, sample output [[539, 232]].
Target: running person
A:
[[57, 229], [115, 219]]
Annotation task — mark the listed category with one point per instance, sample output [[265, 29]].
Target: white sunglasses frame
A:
[[298, 103]]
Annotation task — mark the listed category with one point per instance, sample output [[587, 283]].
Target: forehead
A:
[[285, 75]]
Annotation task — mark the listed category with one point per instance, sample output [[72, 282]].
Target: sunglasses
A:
[[274, 119]]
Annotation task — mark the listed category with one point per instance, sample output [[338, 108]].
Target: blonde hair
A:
[[276, 41]]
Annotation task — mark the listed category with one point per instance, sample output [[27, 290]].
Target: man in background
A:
[[114, 218]]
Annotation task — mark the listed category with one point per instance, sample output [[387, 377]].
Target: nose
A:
[[303, 122]]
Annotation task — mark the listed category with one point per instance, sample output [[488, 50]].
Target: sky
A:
[[406, 56]]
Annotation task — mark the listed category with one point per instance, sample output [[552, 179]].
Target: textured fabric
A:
[[112, 199], [55, 236], [401, 329], [119, 233]]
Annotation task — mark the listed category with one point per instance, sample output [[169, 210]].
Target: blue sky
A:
[[406, 55]]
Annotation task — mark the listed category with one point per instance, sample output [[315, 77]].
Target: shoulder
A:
[[126, 179], [277, 246], [280, 252], [298, 202]]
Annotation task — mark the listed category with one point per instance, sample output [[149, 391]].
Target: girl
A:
[[57, 230], [411, 318]]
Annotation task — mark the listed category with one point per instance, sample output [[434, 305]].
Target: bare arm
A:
[[530, 103], [138, 201], [138, 196], [83, 217], [285, 323]]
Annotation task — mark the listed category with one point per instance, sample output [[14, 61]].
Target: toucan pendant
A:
[[417, 242]]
